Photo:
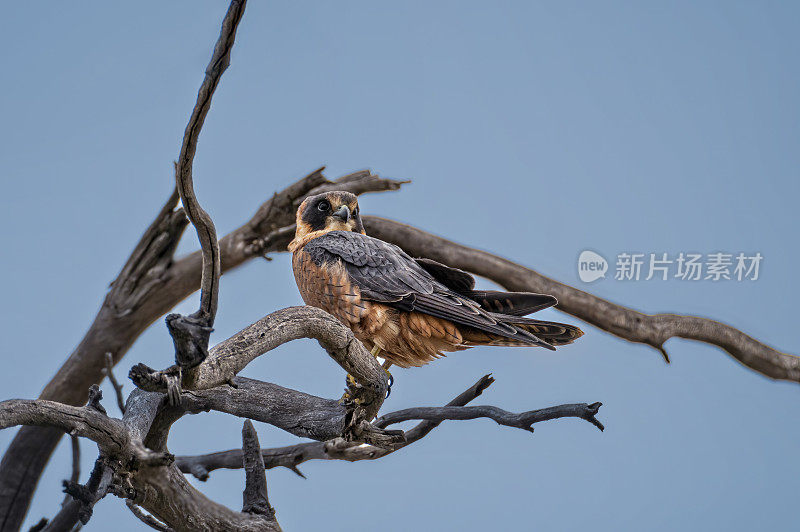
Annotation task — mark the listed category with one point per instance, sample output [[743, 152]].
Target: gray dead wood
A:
[[135, 464], [338, 449]]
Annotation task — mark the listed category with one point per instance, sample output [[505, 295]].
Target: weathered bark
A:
[[337, 449], [135, 464]]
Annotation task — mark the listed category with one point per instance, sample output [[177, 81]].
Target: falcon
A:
[[407, 311]]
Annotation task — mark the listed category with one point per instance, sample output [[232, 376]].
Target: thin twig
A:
[[146, 518], [108, 371], [76, 464], [85, 496]]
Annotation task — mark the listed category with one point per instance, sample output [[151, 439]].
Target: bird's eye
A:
[[355, 212], [323, 206]]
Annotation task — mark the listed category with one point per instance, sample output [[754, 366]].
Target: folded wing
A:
[[385, 274]]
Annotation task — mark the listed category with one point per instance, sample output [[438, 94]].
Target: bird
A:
[[407, 311]]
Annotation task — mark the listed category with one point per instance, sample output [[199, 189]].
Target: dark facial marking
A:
[[319, 209], [317, 212]]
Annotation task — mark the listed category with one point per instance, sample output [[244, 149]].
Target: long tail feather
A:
[[552, 332], [511, 303]]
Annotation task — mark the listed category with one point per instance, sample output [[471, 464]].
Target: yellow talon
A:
[[351, 381], [386, 365]]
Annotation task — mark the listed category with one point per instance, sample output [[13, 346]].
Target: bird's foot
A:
[[352, 384], [386, 365]]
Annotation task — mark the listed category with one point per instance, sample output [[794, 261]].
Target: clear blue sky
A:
[[535, 130]]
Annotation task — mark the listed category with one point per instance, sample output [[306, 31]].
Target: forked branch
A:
[[337, 449]]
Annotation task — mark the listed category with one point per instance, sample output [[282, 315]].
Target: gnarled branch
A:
[[228, 358], [206, 233], [190, 334]]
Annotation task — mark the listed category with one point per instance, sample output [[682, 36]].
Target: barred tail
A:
[[531, 332]]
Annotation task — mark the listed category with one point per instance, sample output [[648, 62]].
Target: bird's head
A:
[[329, 211]]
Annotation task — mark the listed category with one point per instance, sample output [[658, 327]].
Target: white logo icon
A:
[[591, 266]]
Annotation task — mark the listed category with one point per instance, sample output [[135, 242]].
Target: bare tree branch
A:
[[206, 233], [116, 326], [228, 358], [190, 334], [87, 496], [80, 421], [523, 421], [337, 449], [166, 494], [146, 518], [134, 464], [108, 371], [110, 434], [75, 444]]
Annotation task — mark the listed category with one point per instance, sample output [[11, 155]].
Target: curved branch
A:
[[108, 371], [231, 356], [206, 233], [190, 334], [626, 323], [108, 433], [298, 413]]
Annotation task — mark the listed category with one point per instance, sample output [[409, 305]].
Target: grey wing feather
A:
[[384, 273]]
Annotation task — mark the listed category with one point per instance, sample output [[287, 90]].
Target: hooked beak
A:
[[342, 214]]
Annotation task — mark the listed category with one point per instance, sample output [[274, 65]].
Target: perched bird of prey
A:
[[405, 310]]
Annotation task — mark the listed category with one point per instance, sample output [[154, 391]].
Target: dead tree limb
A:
[[108, 371], [75, 444], [228, 358], [152, 282], [337, 449], [134, 464], [190, 334]]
